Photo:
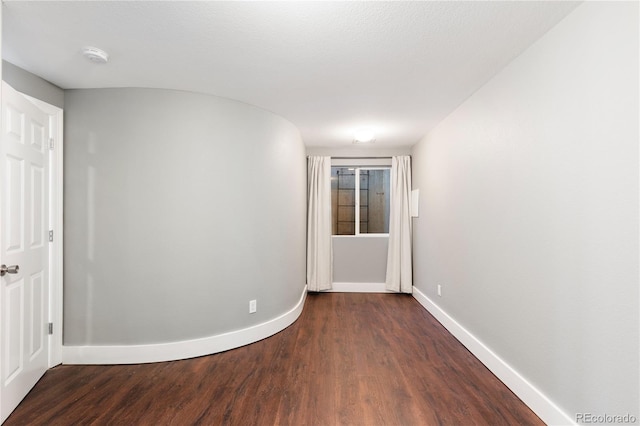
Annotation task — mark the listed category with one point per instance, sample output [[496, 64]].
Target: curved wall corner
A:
[[159, 352], [180, 208]]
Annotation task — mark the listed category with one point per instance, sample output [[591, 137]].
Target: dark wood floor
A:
[[369, 359]]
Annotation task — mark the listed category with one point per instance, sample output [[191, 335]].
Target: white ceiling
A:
[[328, 67]]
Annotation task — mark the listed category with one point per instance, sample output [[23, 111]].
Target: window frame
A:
[[357, 232]]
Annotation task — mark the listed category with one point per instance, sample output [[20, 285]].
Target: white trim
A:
[[56, 203], [1, 133], [358, 288], [550, 413], [159, 352]]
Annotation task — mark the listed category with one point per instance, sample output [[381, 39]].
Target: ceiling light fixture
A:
[[364, 136], [95, 55]]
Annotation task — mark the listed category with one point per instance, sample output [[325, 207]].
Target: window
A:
[[360, 200]]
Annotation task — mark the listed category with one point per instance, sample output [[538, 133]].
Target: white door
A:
[[24, 251]]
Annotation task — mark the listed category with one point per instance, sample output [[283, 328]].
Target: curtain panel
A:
[[399, 267], [319, 250]]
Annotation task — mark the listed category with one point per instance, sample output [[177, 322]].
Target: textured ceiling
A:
[[328, 67]]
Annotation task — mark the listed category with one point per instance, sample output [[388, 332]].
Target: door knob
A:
[[4, 269]]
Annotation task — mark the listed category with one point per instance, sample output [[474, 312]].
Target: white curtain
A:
[[319, 250], [399, 275]]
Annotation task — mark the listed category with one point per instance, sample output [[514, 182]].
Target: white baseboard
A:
[[359, 288], [550, 413], [139, 354]]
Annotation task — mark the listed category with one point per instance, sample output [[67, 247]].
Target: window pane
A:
[[343, 201], [374, 201]]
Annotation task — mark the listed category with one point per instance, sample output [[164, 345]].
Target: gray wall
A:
[[359, 151], [179, 209], [529, 212], [360, 259], [32, 85]]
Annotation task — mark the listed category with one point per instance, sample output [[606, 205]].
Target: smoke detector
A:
[[95, 55]]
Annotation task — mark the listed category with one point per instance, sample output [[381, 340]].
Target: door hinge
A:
[[51, 236], [50, 328], [51, 143]]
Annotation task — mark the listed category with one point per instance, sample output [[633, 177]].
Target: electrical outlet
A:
[[253, 306], [439, 290]]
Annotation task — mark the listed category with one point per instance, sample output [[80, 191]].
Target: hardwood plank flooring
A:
[[357, 359]]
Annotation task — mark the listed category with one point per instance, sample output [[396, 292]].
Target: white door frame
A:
[[56, 185]]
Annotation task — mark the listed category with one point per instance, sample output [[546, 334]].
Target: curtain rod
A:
[[358, 158]]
